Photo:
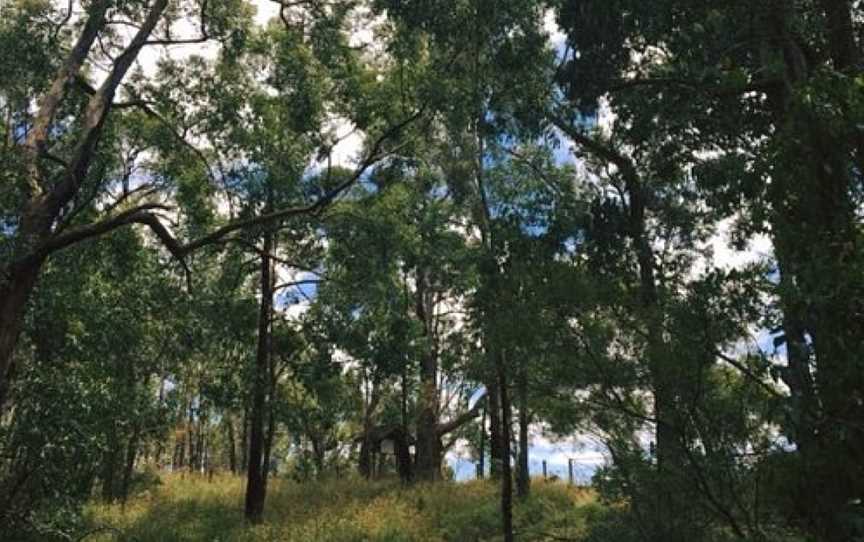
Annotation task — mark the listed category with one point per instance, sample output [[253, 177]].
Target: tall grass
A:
[[190, 508]]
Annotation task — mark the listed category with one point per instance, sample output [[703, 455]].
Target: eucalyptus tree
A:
[[59, 169], [742, 105], [537, 206], [494, 60], [397, 307], [65, 155]]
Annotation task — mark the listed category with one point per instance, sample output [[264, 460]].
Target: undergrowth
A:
[[190, 508]]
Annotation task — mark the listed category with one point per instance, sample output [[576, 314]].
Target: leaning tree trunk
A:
[[255, 485]]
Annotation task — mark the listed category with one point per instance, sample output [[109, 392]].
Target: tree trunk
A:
[[403, 456], [817, 242], [496, 454], [428, 461], [232, 445], [481, 464], [364, 460], [244, 441], [129, 468], [255, 485], [14, 294], [318, 455], [268, 442], [523, 477], [190, 438], [201, 444], [109, 469], [177, 457], [506, 474]]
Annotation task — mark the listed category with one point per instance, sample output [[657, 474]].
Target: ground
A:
[[192, 508]]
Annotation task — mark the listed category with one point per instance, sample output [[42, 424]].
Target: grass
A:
[[191, 509]]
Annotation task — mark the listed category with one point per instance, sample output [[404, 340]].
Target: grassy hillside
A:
[[192, 508]]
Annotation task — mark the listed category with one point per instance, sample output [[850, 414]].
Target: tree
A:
[[60, 152]]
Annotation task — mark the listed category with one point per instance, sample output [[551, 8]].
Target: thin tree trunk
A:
[[201, 443], [496, 454], [232, 445], [129, 468], [506, 474], [481, 464], [244, 441], [109, 469], [403, 456], [190, 438], [268, 442], [317, 455], [255, 485], [364, 460], [523, 478]]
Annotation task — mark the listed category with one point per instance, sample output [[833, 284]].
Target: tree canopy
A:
[[345, 238]]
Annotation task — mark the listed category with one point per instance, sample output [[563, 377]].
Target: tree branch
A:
[[313, 208], [141, 214], [37, 137], [460, 420], [97, 110]]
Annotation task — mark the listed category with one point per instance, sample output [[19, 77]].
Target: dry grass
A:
[[194, 509]]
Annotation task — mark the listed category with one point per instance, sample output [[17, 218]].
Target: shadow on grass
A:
[[187, 521]]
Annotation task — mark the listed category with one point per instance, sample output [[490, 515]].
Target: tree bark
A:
[[232, 445], [481, 463], [129, 467], [244, 441], [523, 477], [14, 294], [496, 454], [109, 470], [506, 471], [429, 449], [255, 484]]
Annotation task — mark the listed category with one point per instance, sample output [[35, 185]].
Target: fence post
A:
[[570, 471], [544, 469]]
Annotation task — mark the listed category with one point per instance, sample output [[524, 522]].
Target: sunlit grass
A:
[[191, 508]]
